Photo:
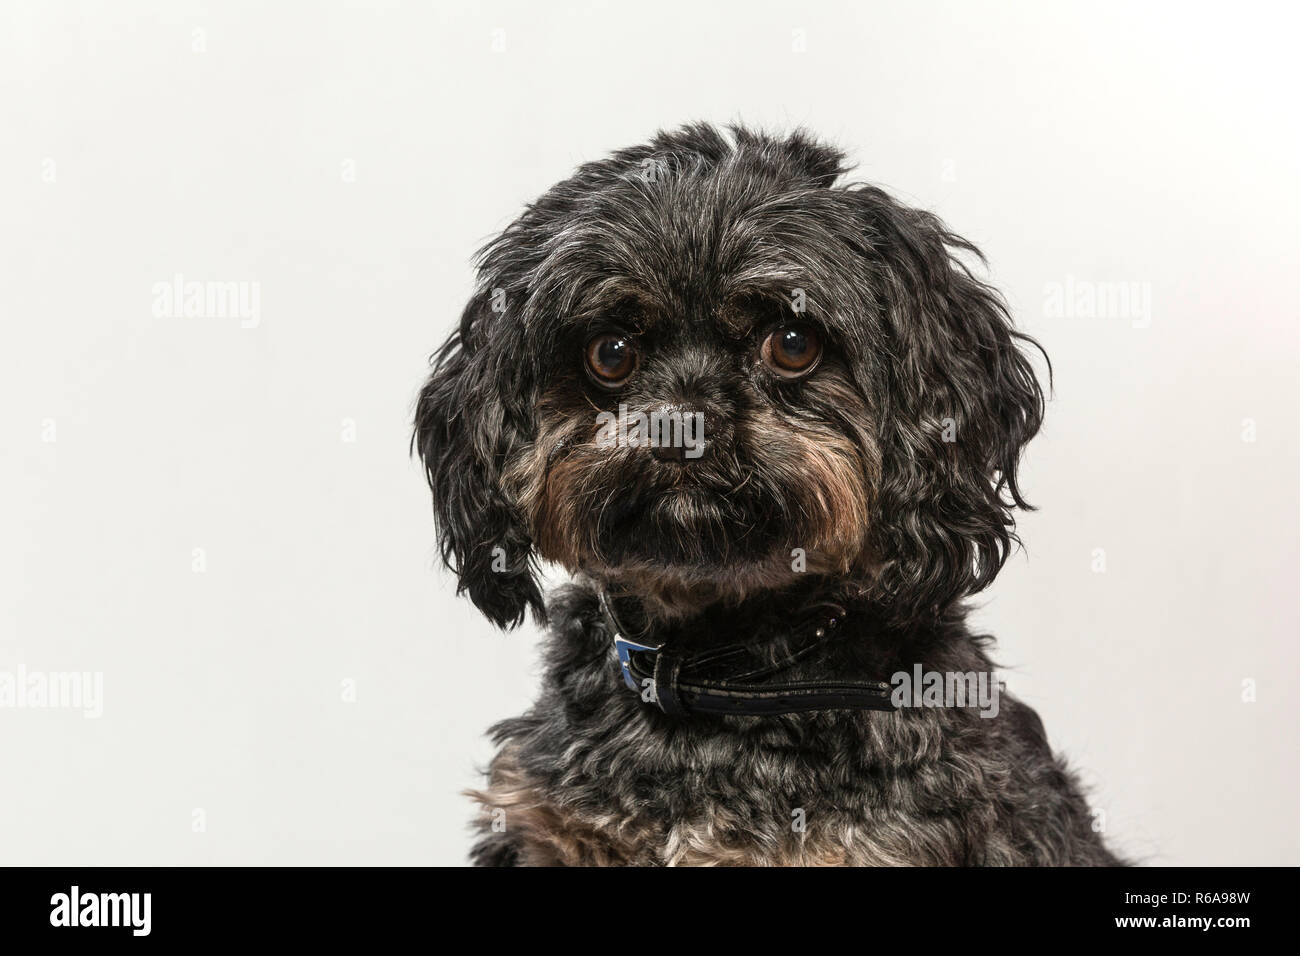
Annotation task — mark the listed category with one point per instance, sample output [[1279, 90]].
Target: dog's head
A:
[[700, 369]]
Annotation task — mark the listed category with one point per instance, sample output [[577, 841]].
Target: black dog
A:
[[772, 426]]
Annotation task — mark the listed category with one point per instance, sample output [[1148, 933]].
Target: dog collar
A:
[[734, 679]]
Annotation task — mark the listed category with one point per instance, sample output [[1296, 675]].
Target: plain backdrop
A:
[[224, 522]]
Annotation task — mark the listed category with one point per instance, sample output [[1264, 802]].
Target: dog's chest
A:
[[594, 776], [680, 820]]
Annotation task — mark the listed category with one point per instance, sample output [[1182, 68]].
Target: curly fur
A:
[[694, 243]]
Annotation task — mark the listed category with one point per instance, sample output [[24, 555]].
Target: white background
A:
[[1107, 142]]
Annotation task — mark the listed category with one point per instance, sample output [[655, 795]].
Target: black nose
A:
[[671, 453], [679, 434]]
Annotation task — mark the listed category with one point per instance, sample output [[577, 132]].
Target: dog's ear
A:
[[960, 398], [463, 433]]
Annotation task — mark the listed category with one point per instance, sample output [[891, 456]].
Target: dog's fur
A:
[[891, 469]]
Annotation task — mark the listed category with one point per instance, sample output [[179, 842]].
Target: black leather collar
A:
[[736, 679]]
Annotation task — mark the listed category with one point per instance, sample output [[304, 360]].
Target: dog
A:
[[770, 422]]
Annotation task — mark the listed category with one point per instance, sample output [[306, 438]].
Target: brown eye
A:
[[792, 350], [611, 358]]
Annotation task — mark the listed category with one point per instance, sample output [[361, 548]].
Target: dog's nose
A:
[[672, 453], [679, 434]]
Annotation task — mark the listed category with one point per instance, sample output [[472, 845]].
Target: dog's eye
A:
[[792, 350], [611, 358]]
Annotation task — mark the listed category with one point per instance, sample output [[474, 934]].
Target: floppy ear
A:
[[961, 401], [463, 432]]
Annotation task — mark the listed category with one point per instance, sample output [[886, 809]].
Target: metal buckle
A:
[[624, 649]]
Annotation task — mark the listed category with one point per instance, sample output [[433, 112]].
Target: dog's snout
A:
[[680, 433], [672, 453]]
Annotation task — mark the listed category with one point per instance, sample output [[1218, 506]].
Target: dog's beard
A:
[[696, 528]]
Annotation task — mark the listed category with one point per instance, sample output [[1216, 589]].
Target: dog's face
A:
[[693, 430], [699, 369]]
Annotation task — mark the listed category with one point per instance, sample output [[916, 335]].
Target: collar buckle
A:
[[624, 648]]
